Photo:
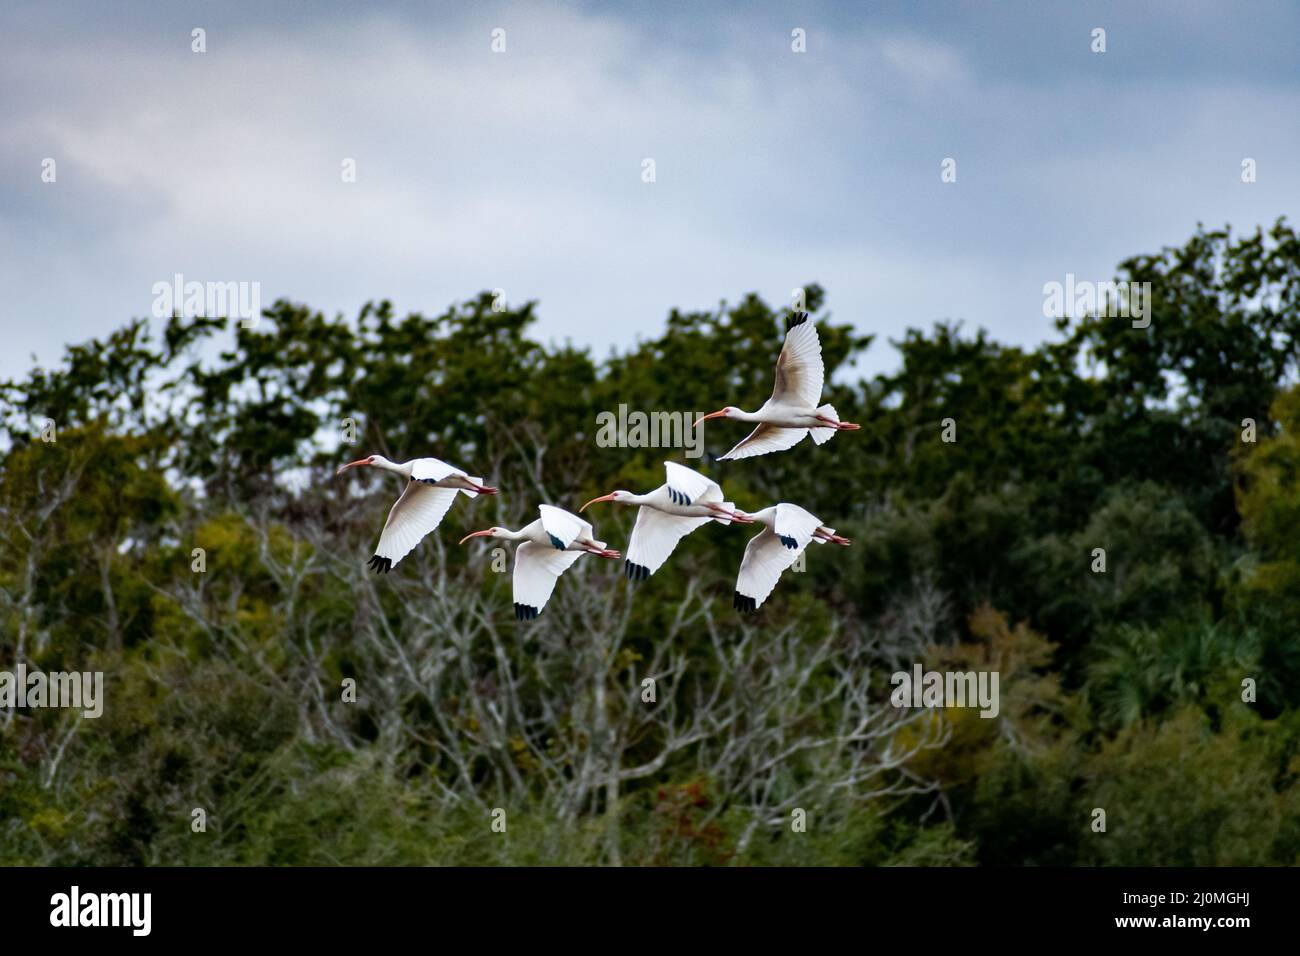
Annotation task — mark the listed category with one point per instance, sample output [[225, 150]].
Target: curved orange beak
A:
[[476, 534], [353, 464], [608, 497], [720, 413]]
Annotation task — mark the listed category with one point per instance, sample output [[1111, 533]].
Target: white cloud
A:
[[927, 66], [522, 171]]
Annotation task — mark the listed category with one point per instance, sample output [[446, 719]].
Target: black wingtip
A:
[[379, 565], [744, 603], [788, 541], [526, 612], [797, 318], [635, 572], [559, 545]]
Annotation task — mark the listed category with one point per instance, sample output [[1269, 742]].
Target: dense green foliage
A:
[[1120, 690]]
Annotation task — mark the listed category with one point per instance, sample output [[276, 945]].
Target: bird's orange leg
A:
[[841, 426]]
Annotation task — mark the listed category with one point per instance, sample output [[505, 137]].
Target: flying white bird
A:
[[787, 530], [431, 487], [685, 502], [792, 411], [549, 547]]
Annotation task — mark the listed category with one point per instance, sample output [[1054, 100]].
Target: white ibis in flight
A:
[[431, 487], [787, 530], [792, 411], [686, 501], [548, 547]]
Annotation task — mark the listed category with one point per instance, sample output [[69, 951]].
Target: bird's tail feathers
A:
[[729, 506], [822, 435], [470, 491]]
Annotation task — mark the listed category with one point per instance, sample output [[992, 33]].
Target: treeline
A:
[[185, 535]]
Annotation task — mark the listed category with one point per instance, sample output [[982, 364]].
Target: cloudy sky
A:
[[522, 170]]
